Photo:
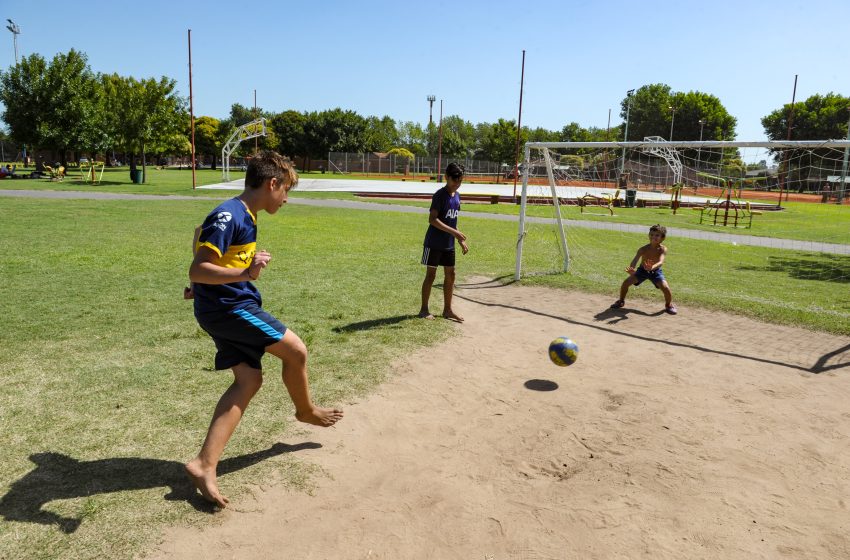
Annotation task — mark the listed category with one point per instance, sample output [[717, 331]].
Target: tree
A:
[[459, 138], [208, 137], [819, 117], [56, 105], [651, 115], [499, 142], [289, 128], [334, 131], [413, 137], [146, 115], [381, 134]]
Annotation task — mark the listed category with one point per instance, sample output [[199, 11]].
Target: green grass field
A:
[[108, 385]]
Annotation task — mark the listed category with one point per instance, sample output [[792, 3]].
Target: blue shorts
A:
[[241, 335], [656, 276]]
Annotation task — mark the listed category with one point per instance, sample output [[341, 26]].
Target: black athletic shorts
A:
[[241, 335], [435, 257]]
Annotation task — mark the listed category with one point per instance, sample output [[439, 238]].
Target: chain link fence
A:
[[372, 163]]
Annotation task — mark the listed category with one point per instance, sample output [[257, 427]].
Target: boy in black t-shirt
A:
[[439, 246]]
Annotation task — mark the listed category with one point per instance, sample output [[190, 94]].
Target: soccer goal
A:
[[580, 197]]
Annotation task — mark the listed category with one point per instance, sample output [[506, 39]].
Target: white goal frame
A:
[[247, 131], [648, 145]]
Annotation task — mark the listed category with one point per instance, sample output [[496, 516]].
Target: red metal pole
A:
[[191, 110], [785, 163], [519, 124], [440, 147]]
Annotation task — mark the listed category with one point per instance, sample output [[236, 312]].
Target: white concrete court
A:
[[428, 188]]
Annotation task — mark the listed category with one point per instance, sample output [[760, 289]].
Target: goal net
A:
[[734, 212]]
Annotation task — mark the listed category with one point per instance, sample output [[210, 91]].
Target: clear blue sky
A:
[[384, 58]]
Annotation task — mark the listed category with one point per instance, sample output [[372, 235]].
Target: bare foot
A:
[[425, 315], [323, 417], [204, 480], [452, 316]]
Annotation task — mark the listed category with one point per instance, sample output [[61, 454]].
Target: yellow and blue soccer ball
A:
[[563, 351]]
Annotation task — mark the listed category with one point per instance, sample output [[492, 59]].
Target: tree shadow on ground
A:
[[809, 266], [60, 477]]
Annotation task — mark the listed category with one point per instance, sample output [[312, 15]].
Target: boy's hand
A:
[[258, 263], [647, 265], [631, 269], [460, 237], [464, 247], [189, 292]]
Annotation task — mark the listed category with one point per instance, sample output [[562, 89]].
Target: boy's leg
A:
[[229, 410], [624, 288], [668, 297], [448, 291], [293, 353], [430, 275]]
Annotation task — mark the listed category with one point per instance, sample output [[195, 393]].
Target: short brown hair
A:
[[660, 229], [268, 165]]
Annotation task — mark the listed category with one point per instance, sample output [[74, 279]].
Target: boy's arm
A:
[[204, 270], [189, 291], [631, 268]]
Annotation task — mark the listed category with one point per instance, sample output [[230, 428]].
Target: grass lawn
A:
[[107, 382]]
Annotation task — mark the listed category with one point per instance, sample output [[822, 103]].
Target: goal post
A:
[[571, 176]]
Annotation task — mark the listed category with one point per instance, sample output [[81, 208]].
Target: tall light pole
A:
[[626, 132], [13, 27], [672, 120], [699, 150], [431, 100]]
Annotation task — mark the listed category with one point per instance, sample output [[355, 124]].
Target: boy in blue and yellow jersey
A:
[[229, 308], [439, 245]]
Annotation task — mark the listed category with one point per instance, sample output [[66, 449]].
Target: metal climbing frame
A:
[[668, 154], [247, 131]]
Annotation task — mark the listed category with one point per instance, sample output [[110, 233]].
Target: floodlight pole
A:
[[431, 99], [16, 30], [672, 120], [518, 124], [191, 110], [626, 133], [699, 150]]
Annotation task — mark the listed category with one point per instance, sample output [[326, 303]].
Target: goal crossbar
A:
[[801, 144]]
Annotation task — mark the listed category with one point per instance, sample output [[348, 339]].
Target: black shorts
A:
[[241, 335], [435, 257]]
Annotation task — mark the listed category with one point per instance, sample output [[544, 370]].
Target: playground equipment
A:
[[57, 174], [732, 213], [92, 171], [676, 196], [602, 199], [247, 131]]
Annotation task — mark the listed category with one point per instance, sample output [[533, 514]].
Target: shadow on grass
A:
[[59, 477], [811, 266], [373, 324], [821, 365]]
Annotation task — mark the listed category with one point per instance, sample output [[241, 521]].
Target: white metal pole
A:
[[557, 204], [843, 186], [523, 198]]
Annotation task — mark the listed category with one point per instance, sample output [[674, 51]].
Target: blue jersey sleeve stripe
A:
[[259, 323]]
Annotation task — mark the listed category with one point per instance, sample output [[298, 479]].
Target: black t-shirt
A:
[[448, 208]]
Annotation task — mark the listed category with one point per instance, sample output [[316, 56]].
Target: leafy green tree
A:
[[334, 131], [459, 138], [208, 137], [412, 136], [145, 115], [54, 106], [819, 117], [499, 142], [289, 128], [381, 134]]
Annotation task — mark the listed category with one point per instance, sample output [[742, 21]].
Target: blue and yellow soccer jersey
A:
[[230, 231]]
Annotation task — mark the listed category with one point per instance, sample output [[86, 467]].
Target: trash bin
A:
[[631, 197], [137, 176]]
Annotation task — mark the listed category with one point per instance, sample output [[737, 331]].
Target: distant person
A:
[[8, 172], [229, 308], [651, 257], [439, 245]]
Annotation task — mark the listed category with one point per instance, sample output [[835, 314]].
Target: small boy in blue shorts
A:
[[439, 245], [229, 308], [652, 257]]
